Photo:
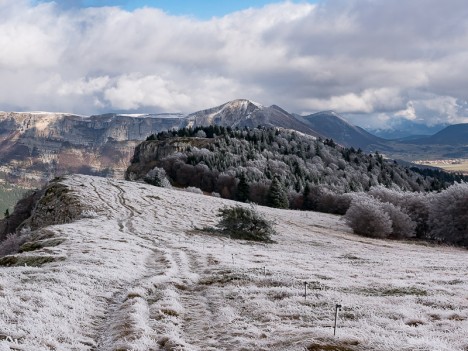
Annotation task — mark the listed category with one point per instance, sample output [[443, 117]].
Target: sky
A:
[[375, 62], [200, 9]]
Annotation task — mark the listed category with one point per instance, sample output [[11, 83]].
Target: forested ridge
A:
[[287, 169], [258, 156]]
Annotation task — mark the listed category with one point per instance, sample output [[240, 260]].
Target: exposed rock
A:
[[35, 147], [53, 204], [149, 154]]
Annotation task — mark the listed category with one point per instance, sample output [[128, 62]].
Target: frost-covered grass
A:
[[132, 274]]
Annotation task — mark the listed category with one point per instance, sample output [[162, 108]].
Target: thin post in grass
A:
[[337, 308], [305, 290], [232, 255], [264, 270]]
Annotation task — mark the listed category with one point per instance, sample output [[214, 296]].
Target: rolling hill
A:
[[456, 134], [130, 270], [335, 127]]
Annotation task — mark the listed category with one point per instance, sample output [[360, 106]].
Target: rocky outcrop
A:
[[53, 204], [150, 153]]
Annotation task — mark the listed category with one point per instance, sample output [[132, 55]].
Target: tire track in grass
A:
[[104, 202], [128, 325], [199, 312], [126, 321], [127, 222]]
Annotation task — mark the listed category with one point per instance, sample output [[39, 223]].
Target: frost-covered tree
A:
[[157, 176], [367, 217], [448, 215], [415, 205], [200, 134], [402, 224]]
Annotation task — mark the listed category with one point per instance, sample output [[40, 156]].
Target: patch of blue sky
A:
[[205, 9]]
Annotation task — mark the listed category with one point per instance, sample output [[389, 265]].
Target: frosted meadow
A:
[[133, 274]]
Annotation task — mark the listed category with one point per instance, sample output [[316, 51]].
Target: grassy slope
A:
[[9, 195], [134, 275]]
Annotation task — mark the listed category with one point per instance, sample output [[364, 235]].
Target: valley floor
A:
[[134, 274]]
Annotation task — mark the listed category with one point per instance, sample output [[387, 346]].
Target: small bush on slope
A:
[[402, 224], [11, 244], [367, 217], [245, 223], [157, 177], [372, 217]]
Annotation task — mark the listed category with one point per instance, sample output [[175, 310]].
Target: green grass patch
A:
[[393, 291], [36, 245], [31, 261]]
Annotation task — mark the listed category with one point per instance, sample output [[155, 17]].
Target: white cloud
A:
[[408, 113], [369, 101], [131, 92], [381, 58], [84, 86]]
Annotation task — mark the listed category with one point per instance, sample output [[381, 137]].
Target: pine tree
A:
[[307, 203], [245, 223], [243, 189], [277, 196]]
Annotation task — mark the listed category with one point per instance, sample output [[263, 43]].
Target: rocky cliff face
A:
[[150, 153], [35, 147]]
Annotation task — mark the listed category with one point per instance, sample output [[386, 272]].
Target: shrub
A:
[[11, 244], [367, 217], [157, 177], [192, 189], [329, 202], [402, 224], [245, 223]]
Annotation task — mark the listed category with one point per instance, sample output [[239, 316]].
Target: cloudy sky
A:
[[374, 61]]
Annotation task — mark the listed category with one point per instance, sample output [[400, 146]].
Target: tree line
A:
[[287, 169]]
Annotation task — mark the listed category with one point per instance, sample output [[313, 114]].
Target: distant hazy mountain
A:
[[456, 134], [406, 129], [331, 125]]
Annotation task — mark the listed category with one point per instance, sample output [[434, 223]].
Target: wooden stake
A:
[[337, 308]]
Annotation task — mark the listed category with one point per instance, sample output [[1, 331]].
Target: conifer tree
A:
[[242, 189], [277, 196], [307, 204]]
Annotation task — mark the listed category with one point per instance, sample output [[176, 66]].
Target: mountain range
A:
[[36, 146]]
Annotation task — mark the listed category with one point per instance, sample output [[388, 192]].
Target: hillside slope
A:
[[456, 134], [245, 113], [335, 127], [132, 273]]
